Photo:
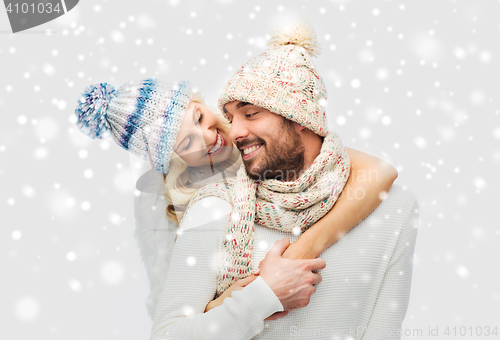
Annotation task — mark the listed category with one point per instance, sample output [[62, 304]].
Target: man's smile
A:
[[250, 151]]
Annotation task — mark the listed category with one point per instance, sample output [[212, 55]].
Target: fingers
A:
[[317, 264], [247, 280], [277, 315], [279, 247], [317, 278]]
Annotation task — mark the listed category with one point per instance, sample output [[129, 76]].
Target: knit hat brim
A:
[[246, 86], [166, 127]]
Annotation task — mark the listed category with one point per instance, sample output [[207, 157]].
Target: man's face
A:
[[270, 145]]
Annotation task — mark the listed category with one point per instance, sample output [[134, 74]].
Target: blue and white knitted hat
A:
[[143, 117]]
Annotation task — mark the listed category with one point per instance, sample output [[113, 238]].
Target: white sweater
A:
[[363, 295], [155, 235]]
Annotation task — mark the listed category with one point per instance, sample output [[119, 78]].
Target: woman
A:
[[188, 143]]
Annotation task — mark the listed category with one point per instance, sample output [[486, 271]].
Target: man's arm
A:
[[392, 300], [191, 284]]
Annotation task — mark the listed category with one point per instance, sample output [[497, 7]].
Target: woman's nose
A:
[[209, 136], [209, 129]]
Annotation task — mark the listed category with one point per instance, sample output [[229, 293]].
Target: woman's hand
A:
[[302, 249], [239, 285]]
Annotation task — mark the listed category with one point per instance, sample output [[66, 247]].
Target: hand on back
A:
[[292, 280]]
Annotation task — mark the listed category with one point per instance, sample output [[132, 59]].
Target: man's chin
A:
[[251, 164], [254, 172]]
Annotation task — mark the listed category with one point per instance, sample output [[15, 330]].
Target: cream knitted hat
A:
[[283, 80]]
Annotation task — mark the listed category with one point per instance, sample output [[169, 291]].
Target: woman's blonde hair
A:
[[177, 182]]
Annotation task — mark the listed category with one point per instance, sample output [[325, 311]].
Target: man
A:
[[276, 105]]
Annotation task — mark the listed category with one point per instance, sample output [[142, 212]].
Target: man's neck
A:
[[312, 148], [312, 143]]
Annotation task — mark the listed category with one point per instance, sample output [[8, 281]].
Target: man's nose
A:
[[238, 130]]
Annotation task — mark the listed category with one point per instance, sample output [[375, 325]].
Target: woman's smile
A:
[[217, 147], [202, 137]]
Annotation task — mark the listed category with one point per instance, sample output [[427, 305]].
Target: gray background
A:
[[412, 82]]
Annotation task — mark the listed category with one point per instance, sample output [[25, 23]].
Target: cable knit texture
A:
[[363, 295], [283, 79], [276, 204], [143, 117]]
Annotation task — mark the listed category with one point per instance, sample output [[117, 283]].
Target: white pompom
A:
[[300, 33]]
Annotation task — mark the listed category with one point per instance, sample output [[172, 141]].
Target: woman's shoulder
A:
[[205, 212], [206, 222], [221, 189]]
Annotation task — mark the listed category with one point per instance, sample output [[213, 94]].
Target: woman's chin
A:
[[223, 155], [220, 157]]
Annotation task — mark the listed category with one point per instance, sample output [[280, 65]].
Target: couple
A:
[[225, 276]]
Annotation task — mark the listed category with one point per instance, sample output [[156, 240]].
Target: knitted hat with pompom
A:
[[283, 79], [142, 117]]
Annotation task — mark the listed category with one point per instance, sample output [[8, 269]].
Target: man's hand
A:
[[291, 280]]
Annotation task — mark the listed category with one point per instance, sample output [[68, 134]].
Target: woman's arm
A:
[[370, 178], [155, 235], [369, 181]]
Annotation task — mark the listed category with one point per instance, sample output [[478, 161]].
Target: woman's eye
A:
[[200, 118], [188, 145]]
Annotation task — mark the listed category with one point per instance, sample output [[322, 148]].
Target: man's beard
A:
[[284, 156]]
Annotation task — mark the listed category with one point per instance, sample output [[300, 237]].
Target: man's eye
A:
[[250, 115]]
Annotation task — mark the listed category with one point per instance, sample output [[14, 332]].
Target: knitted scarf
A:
[[275, 204]]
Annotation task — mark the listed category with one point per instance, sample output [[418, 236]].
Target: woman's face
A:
[[201, 139]]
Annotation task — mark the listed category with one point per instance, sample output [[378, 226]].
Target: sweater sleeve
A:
[[392, 300], [191, 284], [155, 236]]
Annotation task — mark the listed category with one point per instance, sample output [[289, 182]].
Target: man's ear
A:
[[298, 127]]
